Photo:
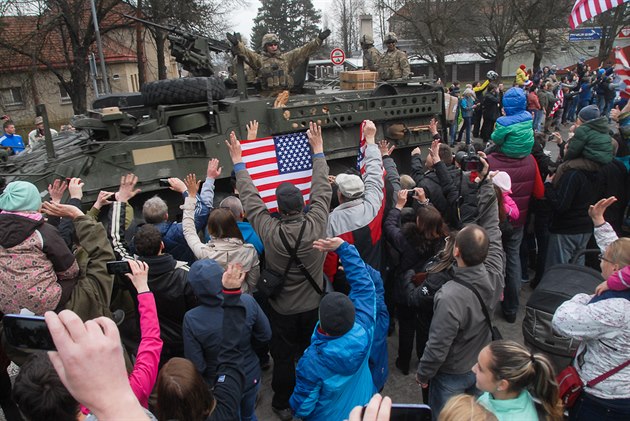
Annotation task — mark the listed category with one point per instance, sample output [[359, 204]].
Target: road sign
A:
[[586, 34], [337, 56]]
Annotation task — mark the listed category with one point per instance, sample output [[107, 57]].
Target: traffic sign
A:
[[337, 56], [586, 34]]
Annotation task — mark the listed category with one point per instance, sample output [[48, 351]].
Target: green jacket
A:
[[514, 140], [591, 141], [521, 408]]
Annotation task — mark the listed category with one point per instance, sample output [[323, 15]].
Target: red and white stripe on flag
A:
[[622, 69], [584, 10], [362, 146], [559, 103], [273, 160]]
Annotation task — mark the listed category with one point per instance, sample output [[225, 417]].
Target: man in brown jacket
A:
[[294, 311]]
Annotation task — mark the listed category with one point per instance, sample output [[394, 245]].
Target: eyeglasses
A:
[[602, 258]]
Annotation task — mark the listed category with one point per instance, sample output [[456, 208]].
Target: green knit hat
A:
[[20, 196]]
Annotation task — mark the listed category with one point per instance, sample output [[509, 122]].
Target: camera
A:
[[118, 267], [411, 193], [29, 332], [471, 161], [164, 182]]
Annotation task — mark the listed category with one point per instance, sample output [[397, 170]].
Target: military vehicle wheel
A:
[[184, 90]]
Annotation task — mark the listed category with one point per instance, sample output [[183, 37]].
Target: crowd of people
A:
[[314, 289]]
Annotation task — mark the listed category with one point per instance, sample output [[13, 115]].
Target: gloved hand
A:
[[324, 34], [233, 38], [410, 76]]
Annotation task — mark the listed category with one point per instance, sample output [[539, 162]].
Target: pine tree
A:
[[294, 21]]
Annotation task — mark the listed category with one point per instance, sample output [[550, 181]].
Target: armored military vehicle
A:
[[173, 127]]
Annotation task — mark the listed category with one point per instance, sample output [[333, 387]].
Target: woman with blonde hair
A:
[[511, 376], [467, 105], [465, 407]]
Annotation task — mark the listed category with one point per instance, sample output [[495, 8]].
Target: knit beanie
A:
[[336, 314], [522, 67], [503, 181], [588, 113], [20, 196]]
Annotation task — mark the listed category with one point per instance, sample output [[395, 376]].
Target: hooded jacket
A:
[[203, 332], [514, 134], [592, 141], [333, 376], [38, 270]]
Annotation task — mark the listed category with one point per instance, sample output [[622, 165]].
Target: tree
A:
[[294, 21], [612, 22], [497, 35], [538, 20], [57, 30], [347, 14], [436, 27]]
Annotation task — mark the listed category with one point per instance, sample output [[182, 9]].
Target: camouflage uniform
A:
[[275, 70], [393, 65], [371, 58]]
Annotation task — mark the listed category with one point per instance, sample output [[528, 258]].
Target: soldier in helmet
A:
[[371, 56], [394, 63], [273, 67]]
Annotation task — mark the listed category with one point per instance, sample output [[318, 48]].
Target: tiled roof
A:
[[31, 34]]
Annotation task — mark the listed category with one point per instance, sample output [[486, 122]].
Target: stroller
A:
[[559, 284]]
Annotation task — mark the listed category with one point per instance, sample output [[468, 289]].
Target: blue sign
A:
[[585, 34]]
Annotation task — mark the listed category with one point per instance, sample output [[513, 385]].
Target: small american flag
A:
[[584, 10], [273, 160], [362, 146], [622, 69]]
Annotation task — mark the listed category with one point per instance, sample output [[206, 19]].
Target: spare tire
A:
[[182, 91]]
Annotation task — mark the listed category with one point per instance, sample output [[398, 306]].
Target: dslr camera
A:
[[471, 161]]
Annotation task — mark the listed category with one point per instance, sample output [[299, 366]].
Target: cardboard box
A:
[[358, 80]]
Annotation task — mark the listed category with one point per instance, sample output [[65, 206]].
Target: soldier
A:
[[273, 67], [371, 56], [394, 63]]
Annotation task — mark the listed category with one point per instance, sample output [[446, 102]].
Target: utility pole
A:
[[99, 46]]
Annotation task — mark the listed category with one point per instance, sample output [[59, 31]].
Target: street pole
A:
[[99, 46]]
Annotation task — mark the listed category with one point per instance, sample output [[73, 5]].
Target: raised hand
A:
[[192, 185], [176, 184], [416, 151], [315, 139], [327, 244], [62, 211], [324, 34], [596, 211], [433, 126], [420, 195], [233, 276], [435, 151], [56, 190], [127, 189], [369, 130], [75, 188], [401, 199], [385, 147], [213, 171], [103, 199], [139, 275], [234, 147], [252, 130]]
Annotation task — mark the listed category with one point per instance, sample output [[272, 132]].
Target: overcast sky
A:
[[243, 18]]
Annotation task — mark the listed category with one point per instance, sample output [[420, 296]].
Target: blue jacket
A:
[[378, 354], [203, 331], [333, 376], [466, 104], [250, 236], [13, 141], [173, 233]]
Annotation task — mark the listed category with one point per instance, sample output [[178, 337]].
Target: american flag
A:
[[622, 69], [362, 146], [584, 10], [273, 160], [559, 103]]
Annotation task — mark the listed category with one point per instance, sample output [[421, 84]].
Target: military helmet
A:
[[270, 39], [366, 39], [492, 75], [390, 37]]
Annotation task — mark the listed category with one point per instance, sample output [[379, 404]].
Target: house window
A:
[[591, 48], [563, 49], [63, 94], [11, 96]]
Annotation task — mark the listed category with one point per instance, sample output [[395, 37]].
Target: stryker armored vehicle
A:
[[173, 127]]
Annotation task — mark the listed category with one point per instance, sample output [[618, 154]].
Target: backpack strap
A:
[[294, 257], [483, 306]]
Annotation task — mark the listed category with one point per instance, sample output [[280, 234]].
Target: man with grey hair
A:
[[155, 212], [235, 206]]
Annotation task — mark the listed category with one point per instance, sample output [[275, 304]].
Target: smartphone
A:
[[410, 412], [118, 267], [164, 182], [28, 332]]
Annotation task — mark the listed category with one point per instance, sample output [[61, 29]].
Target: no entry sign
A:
[[337, 56]]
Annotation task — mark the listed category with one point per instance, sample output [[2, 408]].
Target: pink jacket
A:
[[145, 371], [510, 206], [619, 280]]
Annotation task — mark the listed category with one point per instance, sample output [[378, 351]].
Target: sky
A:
[[243, 17]]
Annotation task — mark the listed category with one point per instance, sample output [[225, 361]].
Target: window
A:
[[563, 49], [11, 96], [591, 48], [63, 94]]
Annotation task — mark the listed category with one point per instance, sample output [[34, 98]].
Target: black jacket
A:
[[570, 201]]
